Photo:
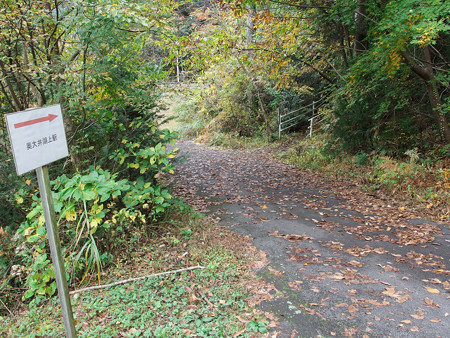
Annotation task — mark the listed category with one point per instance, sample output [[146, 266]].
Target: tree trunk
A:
[[426, 73], [436, 105], [251, 12], [266, 117], [360, 27]]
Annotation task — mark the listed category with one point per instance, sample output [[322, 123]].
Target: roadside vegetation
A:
[[104, 63], [214, 301]]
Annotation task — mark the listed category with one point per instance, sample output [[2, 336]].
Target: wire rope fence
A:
[[289, 119]]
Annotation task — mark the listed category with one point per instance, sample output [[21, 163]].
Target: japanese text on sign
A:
[[37, 137]]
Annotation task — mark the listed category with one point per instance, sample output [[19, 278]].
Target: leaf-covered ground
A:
[[339, 262]]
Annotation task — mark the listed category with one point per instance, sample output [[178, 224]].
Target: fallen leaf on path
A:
[[429, 302], [419, 315], [399, 296], [432, 290], [350, 332], [337, 276], [291, 237], [435, 320], [276, 273], [340, 305], [297, 285], [353, 309], [374, 302], [388, 268]]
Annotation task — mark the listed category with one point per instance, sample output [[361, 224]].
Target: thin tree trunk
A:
[[436, 105], [265, 116], [360, 27], [17, 104], [342, 45], [426, 73], [251, 12]]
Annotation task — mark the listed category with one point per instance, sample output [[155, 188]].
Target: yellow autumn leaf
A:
[[41, 220], [432, 290], [27, 182], [264, 206], [71, 215], [28, 231], [95, 222]]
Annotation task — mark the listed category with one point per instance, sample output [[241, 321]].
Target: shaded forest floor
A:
[[339, 262]]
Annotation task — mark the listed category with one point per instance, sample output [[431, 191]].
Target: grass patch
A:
[[215, 301], [230, 140]]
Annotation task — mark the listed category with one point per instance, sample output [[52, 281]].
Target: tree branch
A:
[[299, 5], [422, 72], [97, 287]]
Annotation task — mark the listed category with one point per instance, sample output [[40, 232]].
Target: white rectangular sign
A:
[[37, 137]]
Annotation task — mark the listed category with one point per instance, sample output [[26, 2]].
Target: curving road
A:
[[342, 263]]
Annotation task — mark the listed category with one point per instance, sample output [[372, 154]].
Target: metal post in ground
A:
[[279, 124], [55, 250]]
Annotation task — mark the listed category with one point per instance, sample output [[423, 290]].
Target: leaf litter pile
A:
[[341, 262]]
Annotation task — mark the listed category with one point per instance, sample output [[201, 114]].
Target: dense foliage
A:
[[385, 61], [102, 61]]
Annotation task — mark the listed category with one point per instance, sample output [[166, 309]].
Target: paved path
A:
[[343, 263]]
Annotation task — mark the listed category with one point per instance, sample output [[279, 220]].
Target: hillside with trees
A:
[[372, 75]]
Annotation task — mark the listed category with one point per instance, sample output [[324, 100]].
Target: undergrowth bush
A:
[[413, 177], [101, 209], [229, 101], [98, 212]]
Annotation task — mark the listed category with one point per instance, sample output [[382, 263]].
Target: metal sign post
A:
[[38, 138], [55, 249]]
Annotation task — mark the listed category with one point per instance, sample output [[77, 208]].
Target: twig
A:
[[134, 279], [6, 308], [209, 302]]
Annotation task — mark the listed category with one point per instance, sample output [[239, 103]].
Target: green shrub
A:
[[97, 213]]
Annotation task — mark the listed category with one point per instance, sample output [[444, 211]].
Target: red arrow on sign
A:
[[48, 118]]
